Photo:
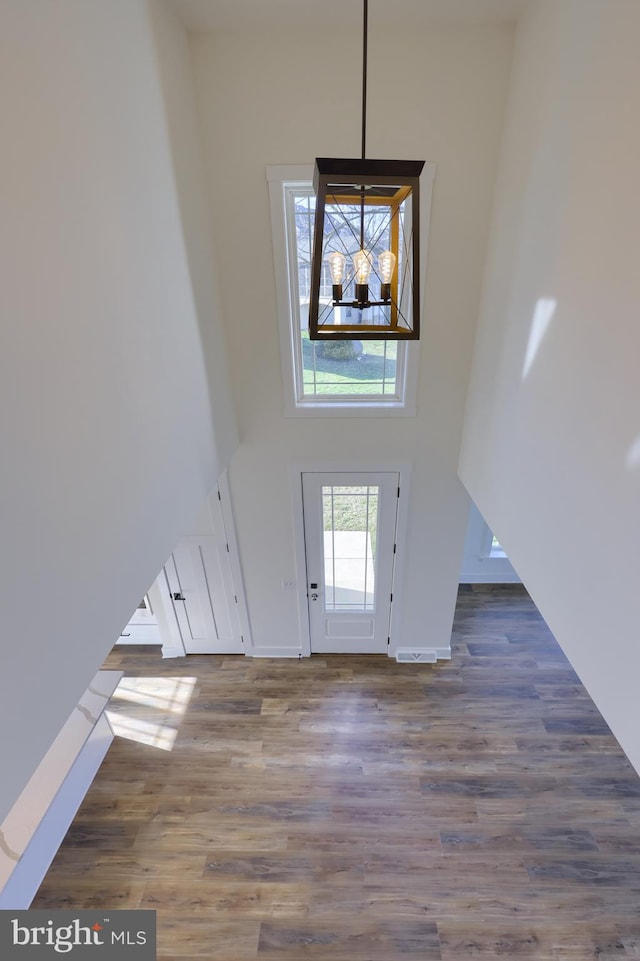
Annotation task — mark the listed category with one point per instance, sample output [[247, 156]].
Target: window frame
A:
[[284, 180]]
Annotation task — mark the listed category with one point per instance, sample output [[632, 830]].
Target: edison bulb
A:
[[386, 266], [363, 262], [336, 266]]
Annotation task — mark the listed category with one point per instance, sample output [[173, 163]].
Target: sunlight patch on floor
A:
[[148, 709]]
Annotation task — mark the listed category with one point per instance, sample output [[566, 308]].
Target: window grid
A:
[[333, 371]]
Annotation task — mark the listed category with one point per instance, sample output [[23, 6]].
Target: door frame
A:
[[403, 470]]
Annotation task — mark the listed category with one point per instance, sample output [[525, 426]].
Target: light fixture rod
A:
[[365, 26], [364, 75]]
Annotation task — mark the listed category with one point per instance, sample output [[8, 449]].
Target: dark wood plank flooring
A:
[[354, 808]]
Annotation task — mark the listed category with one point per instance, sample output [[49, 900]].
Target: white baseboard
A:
[[404, 655], [172, 651], [289, 652]]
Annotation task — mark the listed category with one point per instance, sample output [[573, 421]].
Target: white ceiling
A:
[[203, 15]]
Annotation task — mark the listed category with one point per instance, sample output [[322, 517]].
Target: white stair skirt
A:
[[33, 830]]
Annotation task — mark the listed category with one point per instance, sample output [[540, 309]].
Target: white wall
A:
[[186, 151], [264, 99], [551, 451], [107, 442]]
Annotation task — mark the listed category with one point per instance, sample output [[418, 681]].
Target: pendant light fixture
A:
[[366, 248]]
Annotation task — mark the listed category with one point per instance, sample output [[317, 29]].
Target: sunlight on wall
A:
[[154, 706], [633, 454], [542, 316]]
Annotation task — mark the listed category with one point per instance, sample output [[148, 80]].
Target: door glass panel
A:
[[350, 522]]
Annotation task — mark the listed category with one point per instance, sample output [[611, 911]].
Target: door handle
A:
[[314, 597], [177, 596]]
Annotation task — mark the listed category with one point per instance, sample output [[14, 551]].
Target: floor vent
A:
[[406, 656]]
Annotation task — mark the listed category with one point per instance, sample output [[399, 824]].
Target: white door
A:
[[203, 604], [349, 528], [201, 591]]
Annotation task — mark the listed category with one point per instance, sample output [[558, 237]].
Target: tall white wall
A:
[[107, 441], [551, 451], [176, 74], [266, 98]]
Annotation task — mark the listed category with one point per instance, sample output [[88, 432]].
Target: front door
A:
[[350, 526]]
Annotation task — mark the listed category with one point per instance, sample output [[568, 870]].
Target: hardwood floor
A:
[[355, 808]]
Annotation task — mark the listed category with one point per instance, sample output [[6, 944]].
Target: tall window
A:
[[351, 368], [324, 376]]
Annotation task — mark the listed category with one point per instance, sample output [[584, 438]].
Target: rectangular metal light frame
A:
[[331, 171]]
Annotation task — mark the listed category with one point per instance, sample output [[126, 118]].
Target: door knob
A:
[[314, 597]]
